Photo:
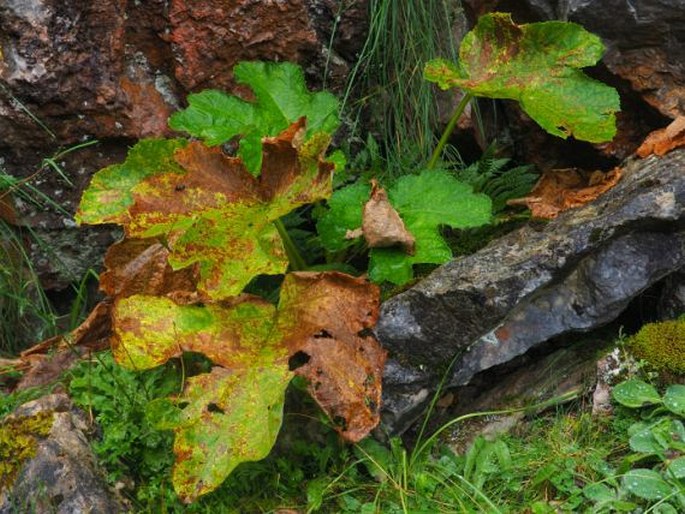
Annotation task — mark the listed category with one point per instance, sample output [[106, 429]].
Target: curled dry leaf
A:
[[382, 225], [560, 190], [662, 141]]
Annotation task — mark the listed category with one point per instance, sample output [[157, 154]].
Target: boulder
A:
[[58, 472], [573, 274]]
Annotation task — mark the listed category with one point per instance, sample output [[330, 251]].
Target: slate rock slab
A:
[[62, 476], [573, 274]]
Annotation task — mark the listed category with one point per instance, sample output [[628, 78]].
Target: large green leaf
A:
[[537, 64], [280, 98], [209, 208], [230, 417], [425, 202]]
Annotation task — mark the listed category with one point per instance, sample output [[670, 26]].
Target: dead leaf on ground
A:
[[662, 141], [47, 360], [560, 190], [382, 225]]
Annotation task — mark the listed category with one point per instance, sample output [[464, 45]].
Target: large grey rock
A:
[[62, 476], [573, 274]]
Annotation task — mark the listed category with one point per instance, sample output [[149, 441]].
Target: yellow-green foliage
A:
[[19, 441], [662, 345]]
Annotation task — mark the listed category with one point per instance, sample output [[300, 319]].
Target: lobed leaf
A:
[[344, 214], [537, 64], [210, 210], [425, 202], [280, 98], [326, 317]]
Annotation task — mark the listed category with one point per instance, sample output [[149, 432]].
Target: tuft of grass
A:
[[391, 96]]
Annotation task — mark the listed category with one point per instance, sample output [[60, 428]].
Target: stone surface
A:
[[570, 275], [62, 477]]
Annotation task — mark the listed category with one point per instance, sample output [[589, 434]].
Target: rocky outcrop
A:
[[573, 274], [60, 474]]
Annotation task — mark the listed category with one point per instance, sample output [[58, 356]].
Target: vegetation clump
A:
[[19, 442], [662, 345]]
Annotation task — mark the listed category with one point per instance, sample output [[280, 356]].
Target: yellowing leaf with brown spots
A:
[[324, 318], [208, 207]]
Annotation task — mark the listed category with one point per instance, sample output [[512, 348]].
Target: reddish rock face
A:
[[210, 37]]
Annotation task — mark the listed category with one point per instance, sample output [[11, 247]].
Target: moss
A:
[[662, 345], [19, 441]]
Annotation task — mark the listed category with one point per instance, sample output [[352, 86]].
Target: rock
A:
[[573, 274], [60, 474]]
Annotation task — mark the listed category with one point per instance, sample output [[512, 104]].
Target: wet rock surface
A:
[[573, 274], [62, 476]]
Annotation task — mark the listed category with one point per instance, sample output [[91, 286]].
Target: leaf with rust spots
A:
[[382, 225], [280, 98], [230, 417], [328, 317], [140, 266], [662, 141], [150, 330], [110, 193], [208, 207], [537, 64], [560, 190]]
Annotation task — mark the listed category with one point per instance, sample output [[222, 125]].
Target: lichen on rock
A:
[[19, 441]]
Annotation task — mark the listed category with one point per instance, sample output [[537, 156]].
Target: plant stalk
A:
[[297, 263], [449, 129]]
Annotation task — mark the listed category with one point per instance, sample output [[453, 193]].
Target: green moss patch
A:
[[662, 345]]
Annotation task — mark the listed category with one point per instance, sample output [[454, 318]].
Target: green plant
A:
[[205, 224], [657, 440], [392, 100], [202, 223], [662, 345], [26, 313]]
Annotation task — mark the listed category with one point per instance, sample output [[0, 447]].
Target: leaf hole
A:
[[182, 405], [323, 334], [365, 332], [213, 407], [298, 360]]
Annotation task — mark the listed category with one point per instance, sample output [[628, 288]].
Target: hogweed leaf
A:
[[280, 98], [425, 202], [231, 417], [537, 64], [325, 316], [212, 212], [110, 193]]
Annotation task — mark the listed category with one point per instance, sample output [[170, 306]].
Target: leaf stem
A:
[[297, 263], [449, 129]]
